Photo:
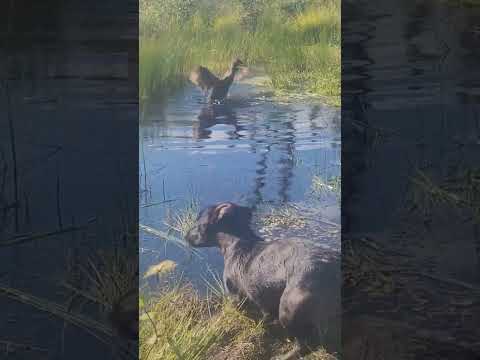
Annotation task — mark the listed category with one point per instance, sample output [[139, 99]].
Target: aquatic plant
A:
[[321, 186], [284, 216], [182, 220]]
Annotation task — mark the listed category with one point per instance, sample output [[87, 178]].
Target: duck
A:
[[206, 81]]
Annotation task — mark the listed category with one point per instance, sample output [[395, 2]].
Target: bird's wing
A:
[[203, 78]]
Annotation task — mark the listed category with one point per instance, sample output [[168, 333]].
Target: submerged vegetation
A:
[[296, 42]]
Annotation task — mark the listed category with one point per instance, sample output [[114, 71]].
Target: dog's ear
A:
[[231, 211], [223, 210]]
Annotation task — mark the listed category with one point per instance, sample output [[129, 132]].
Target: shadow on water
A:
[[253, 149]]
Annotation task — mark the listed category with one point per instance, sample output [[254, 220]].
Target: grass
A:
[[461, 191], [108, 276], [321, 186], [93, 327], [296, 42], [286, 216], [179, 324], [101, 283], [178, 223], [179, 327], [184, 219]]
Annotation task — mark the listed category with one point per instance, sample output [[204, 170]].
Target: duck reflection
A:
[[216, 114]]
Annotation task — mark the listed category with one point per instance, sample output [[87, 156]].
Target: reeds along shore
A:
[[297, 42]]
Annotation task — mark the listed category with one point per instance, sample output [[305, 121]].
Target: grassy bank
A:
[[297, 42], [179, 324]]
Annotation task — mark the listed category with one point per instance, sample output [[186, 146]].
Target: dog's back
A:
[[291, 261], [270, 271], [294, 281]]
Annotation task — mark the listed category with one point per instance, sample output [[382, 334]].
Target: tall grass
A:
[[297, 42]]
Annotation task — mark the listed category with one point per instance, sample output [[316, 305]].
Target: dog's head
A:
[[225, 217]]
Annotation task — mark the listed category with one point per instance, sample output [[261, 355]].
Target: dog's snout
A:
[[194, 236]]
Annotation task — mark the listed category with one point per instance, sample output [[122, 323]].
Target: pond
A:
[[273, 154]]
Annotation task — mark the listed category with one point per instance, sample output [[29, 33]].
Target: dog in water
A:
[[296, 283]]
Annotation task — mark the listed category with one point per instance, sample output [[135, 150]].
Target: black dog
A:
[[293, 281]]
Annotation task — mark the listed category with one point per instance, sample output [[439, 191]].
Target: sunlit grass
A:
[[177, 324], [182, 220], [299, 51], [182, 325], [321, 185]]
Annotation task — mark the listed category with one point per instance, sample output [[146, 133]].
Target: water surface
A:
[[256, 150], [410, 100]]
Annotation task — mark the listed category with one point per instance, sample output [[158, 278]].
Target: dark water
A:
[[410, 98], [418, 113], [253, 150], [68, 164]]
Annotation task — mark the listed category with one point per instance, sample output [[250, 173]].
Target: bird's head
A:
[[237, 63]]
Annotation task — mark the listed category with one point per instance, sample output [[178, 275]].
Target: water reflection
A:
[[211, 115], [426, 48]]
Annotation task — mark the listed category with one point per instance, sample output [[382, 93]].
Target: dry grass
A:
[[284, 216], [181, 325]]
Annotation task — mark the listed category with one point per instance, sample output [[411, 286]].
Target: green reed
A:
[[297, 42]]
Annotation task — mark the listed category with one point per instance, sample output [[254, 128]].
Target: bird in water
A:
[[205, 80]]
